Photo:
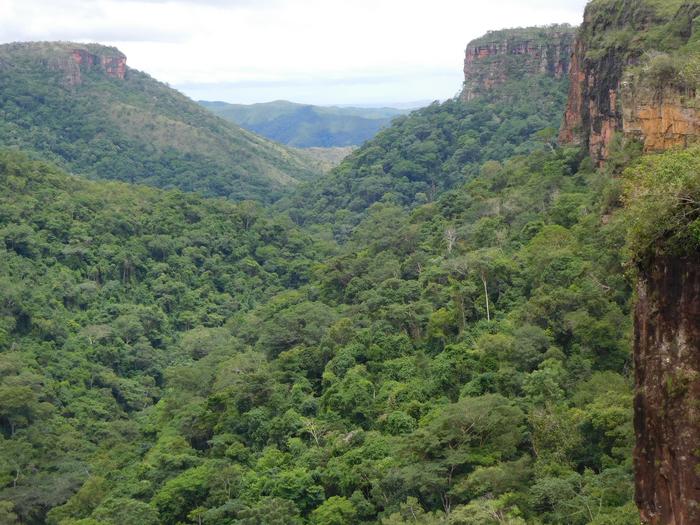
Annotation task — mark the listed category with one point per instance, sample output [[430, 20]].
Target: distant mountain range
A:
[[306, 126]]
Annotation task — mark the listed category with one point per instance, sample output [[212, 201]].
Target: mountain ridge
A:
[[82, 107], [306, 125]]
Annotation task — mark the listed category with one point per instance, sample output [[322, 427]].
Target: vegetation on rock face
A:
[[662, 194], [134, 130], [305, 126]]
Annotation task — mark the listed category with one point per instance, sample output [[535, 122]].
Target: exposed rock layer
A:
[[113, 65], [667, 404], [500, 56], [81, 60], [601, 103], [69, 59], [660, 121]]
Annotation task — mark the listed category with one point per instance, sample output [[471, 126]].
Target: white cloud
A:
[[338, 50]]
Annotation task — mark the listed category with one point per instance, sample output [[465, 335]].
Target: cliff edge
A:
[[509, 54], [634, 71]]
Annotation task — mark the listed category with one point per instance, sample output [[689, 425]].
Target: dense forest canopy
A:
[[433, 150], [437, 332], [178, 360]]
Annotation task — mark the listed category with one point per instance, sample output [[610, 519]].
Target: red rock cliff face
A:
[[660, 120], [111, 65], [667, 404], [78, 61], [503, 55], [601, 103]]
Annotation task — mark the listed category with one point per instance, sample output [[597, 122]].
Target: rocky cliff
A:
[[509, 54], [616, 51], [635, 74], [667, 404], [71, 60], [112, 63], [660, 118]]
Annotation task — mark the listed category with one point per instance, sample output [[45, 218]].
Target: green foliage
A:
[[101, 285], [135, 129], [433, 150], [214, 364], [461, 357], [662, 196]]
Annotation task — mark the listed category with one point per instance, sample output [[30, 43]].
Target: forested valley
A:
[[439, 331]]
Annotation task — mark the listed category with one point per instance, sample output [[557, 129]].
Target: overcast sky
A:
[[313, 51]]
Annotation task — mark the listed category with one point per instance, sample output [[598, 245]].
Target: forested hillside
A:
[[462, 361], [437, 332], [433, 150], [84, 109], [307, 126], [103, 287]]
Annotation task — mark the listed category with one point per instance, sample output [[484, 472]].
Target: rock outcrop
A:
[[634, 74], [660, 120], [500, 56], [113, 64], [667, 403], [614, 37], [77, 61], [70, 60]]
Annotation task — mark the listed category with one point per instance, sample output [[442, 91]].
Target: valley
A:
[[480, 312]]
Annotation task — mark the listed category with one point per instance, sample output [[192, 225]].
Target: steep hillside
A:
[[635, 73], [306, 126], [85, 109], [441, 146]]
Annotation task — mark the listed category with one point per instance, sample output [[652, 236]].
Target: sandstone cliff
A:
[[660, 118], [606, 97], [635, 73], [667, 404], [71, 60], [112, 63], [74, 62], [510, 54]]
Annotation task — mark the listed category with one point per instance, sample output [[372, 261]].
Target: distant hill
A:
[[306, 126], [512, 105], [82, 107]]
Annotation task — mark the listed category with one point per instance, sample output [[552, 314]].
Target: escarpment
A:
[[511, 54], [626, 72], [112, 64], [667, 403], [660, 118], [72, 61], [634, 75]]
